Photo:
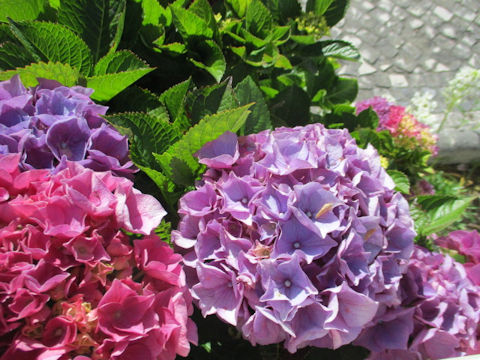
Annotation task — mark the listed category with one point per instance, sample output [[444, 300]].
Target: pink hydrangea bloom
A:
[[403, 126], [73, 283]]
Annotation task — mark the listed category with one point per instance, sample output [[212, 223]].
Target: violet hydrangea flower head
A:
[[404, 127], [73, 282], [438, 316], [50, 124], [294, 235]]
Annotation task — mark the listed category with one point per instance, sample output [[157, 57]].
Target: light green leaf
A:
[[62, 73], [213, 60], [340, 49], [258, 19], [123, 60], [190, 24], [203, 10], [239, 6], [259, 119], [108, 85], [174, 98], [401, 181], [20, 10], [175, 48], [153, 12], [304, 39], [54, 42], [441, 211]]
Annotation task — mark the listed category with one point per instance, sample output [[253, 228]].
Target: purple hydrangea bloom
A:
[[294, 235], [51, 123], [437, 318]]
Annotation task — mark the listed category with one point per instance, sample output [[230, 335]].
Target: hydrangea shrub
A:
[[404, 127], [50, 124], [294, 235], [74, 281], [438, 317]]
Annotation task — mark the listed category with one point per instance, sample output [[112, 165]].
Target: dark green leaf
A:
[[13, 55], [291, 107], [344, 90], [137, 99], [174, 98], [368, 118], [210, 59], [319, 7], [336, 11], [258, 19], [118, 9], [282, 10], [259, 119]]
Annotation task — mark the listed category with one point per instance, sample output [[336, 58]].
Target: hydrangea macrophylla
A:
[[72, 282], [294, 235], [406, 130], [467, 244], [438, 316], [50, 124]]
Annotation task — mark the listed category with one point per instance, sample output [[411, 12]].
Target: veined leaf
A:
[[239, 6], [258, 19], [89, 19], [206, 130], [401, 181], [344, 90], [13, 55], [203, 10], [259, 119], [174, 98], [21, 10], [441, 211], [212, 59], [190, 24], [108, 85], [123, 60], [62, 73], [340, 49], [54, 42], [116, 25]]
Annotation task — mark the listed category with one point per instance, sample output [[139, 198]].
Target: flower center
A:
[[309, 214], [296, 245], [287, 283], [244, 200]]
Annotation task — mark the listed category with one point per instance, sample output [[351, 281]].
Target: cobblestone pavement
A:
[[409, 46]]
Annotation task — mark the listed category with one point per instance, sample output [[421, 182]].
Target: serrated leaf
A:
[[89, 19], [212, 59], [259, 119], [206, 130], [401, 181], [21, 10], [174, 98], [340, 49], [13, 55], [441, 211], [123, 60], [258, 19], [62, 73], [150, 134], [182, 174], [190, 24], [108, 85], [55, 43]]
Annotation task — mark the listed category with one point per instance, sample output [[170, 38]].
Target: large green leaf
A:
[[21, 10], [108, 85], [54, 42], [123, 60], [89, 19], [258, 19], [206, 130], [336, 11], [344, 90], [259, 119], [190, 24], [62, 73], [291, 107], [203, 10], [441, 211], [401, 181], [147, 134], [283, 9], [238, 6]]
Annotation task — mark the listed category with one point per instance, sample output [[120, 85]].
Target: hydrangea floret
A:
[[82, 275], [407, 131], [438, 317], [50, 124], [294, 235]]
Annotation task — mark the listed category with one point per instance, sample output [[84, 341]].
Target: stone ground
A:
[[411, 46]]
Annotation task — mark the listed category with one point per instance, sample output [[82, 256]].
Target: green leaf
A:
[[368, 118], [283, 10], [203, 10], [401, 181], [174, 98], [54, 42], [259, 119], [206, 130], [190, 24], [441, 211], [137, 99], [336, 11], [210, 100], [319, 7], [153, 12], [175, 48], [90, 20], [13, 55], [344, 90], [340, 49], [123, 60], [108, 85], [258, 19], [148, 134], [239, 6], [62, 73], [291, 107], [304, 39], [21, 10], [182, 173], [211, 59], [117, 23]]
